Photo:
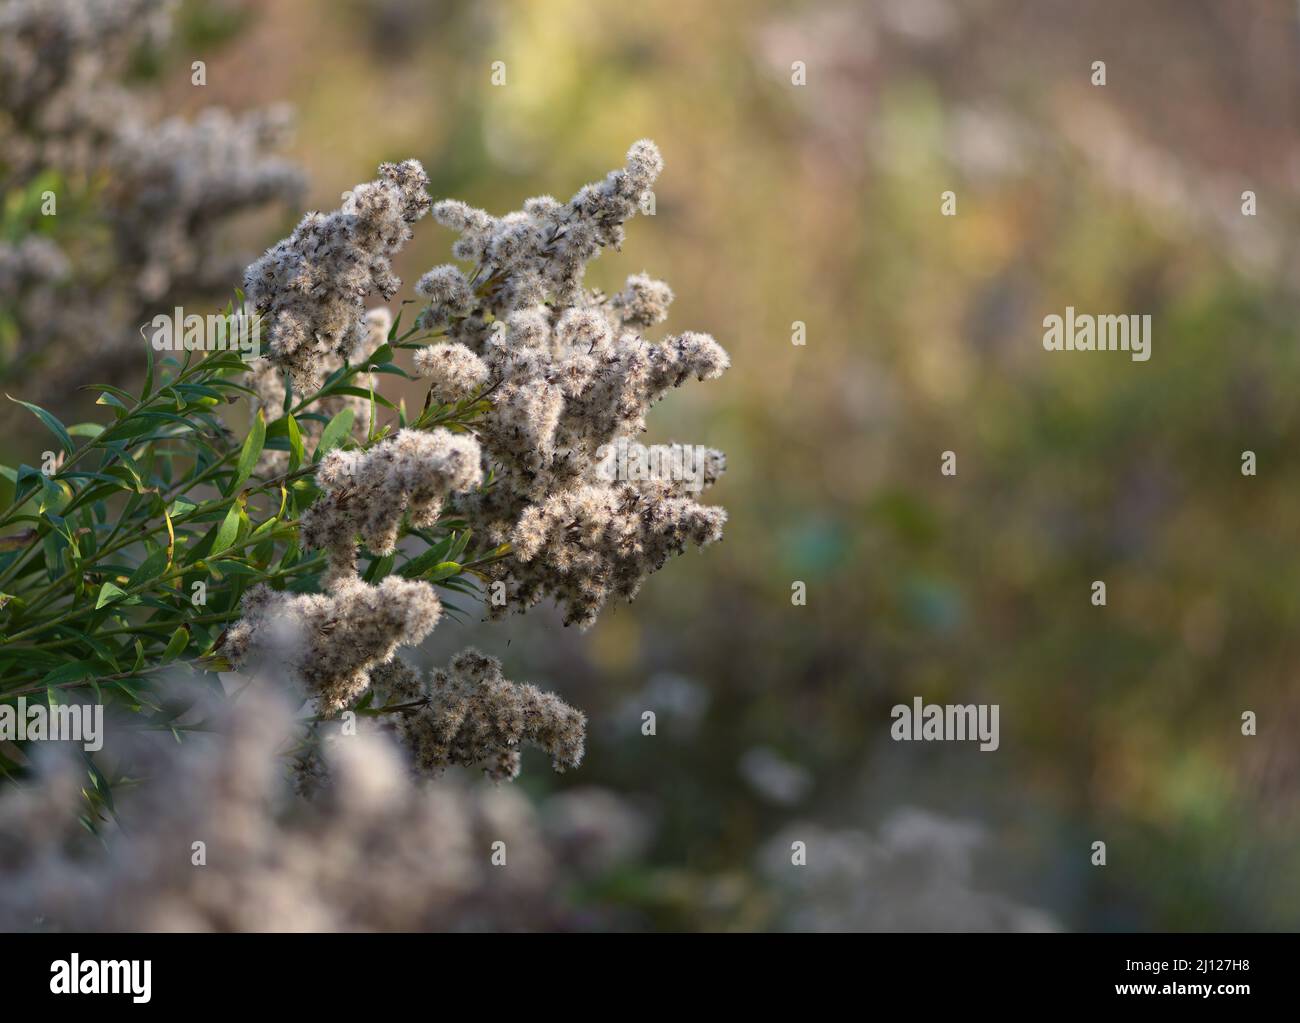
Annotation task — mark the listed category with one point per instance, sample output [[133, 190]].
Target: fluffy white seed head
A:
[[454, 371], [310, 288], [474, 717]]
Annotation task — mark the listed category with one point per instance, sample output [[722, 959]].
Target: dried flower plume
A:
[[565, 373], [472, 716], [568, 372], [311, 287]]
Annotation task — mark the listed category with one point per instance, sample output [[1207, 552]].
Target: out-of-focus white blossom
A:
[[372, 851], [773, 777], [165, 191], [918, 875], [173, 184]]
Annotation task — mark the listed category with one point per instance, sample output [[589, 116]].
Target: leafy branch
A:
[[127, 551]]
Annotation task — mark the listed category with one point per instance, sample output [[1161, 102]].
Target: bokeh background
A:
[[821, 204]]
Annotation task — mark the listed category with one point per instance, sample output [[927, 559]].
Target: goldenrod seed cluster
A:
[[565, 375], [311, 288], [471, 715]]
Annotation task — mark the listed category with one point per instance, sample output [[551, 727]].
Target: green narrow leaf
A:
[[250, 453], [51, 422], [221, 569], [176, 644], [358, 392], [229, 530], [335, 433], [295, 444], [181, 507], [151, 568], [100, 782], [113, 402], [417, 566], [55, 497], [148, 375], [443, 570], [380, 568], [73, 672], [53, 545], [458, 548], [107, 594]]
